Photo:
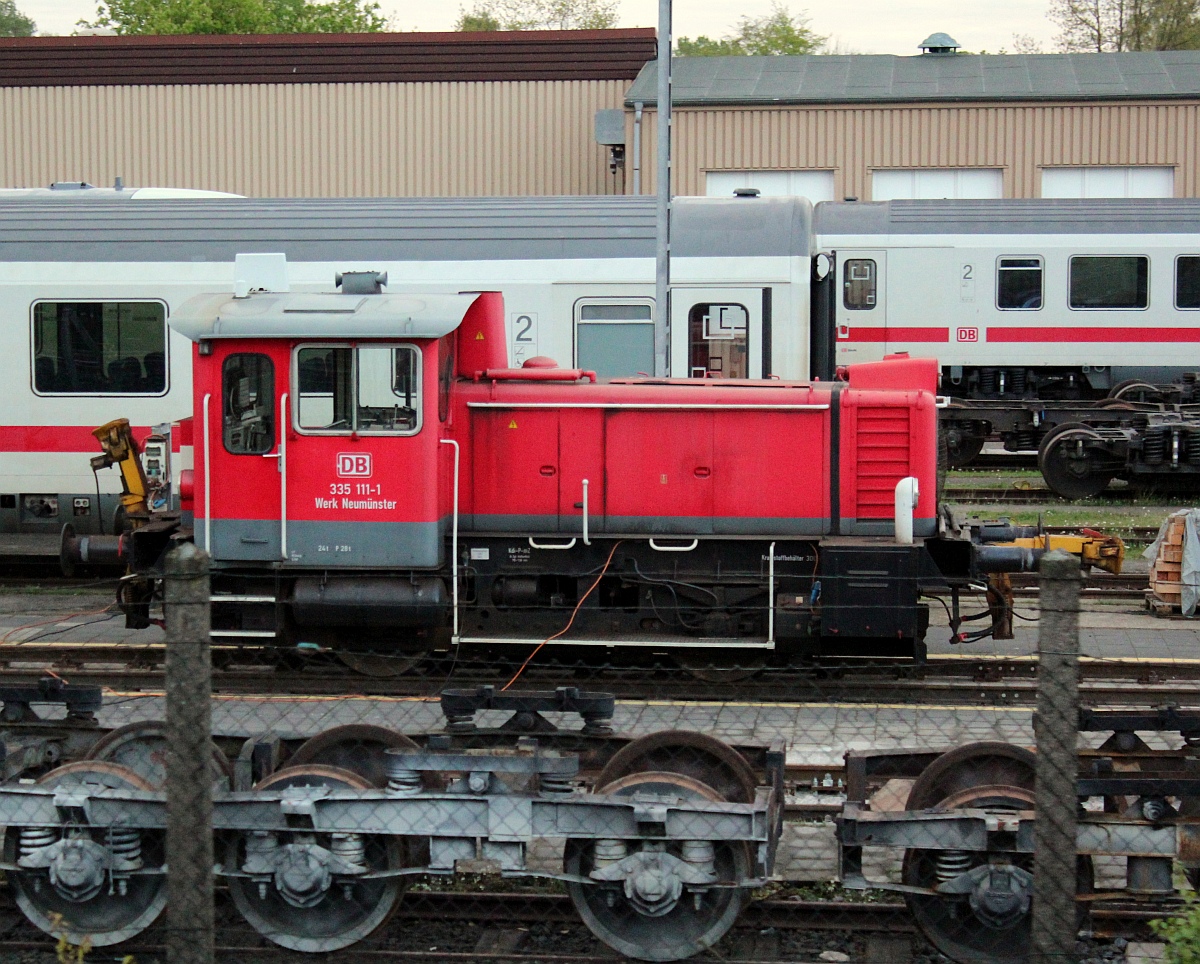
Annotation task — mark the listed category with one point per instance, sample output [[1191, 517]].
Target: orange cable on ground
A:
[[570, 622]]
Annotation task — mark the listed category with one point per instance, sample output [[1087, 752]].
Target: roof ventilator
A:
[[941, 44], [746, 192], [361, 282]]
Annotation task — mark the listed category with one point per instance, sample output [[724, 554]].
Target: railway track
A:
[[512, 926]]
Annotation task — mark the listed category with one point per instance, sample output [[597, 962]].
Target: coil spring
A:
[[1016, 381], [987, 380], [553, 784], [35, 838], [350, 847], [403, 781], [1193, 448], [951, 863], [1154, 446], [1026, 439], [126, 844]]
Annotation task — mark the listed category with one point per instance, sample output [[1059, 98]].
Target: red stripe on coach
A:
[[55, 438], [892, 333], [1187, 335]]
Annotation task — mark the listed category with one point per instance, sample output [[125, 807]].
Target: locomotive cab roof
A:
[[296, 315]]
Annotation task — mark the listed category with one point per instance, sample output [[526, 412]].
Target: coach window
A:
[[370, 389], [1110, 281], [248, 404], [99, 348], [859, 284], [1019, 284], [614, 339], [717, 341], [1187, 281]]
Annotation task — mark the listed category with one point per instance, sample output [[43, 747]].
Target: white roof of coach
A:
[[321, 315]]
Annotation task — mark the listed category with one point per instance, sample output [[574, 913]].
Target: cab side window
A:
[[248, 404], [370, 389]]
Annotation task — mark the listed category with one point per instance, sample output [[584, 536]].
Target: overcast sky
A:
[[866, 26]]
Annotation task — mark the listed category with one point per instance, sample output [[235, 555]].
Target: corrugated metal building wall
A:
[[853, 141], [854, 115], [393, 114]]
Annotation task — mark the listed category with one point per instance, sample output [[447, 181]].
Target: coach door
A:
[[718, 332], [861, 315]]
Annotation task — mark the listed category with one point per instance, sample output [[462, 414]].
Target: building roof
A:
[[856, 78], [325, 58]]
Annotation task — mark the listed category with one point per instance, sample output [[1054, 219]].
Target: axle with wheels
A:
[[659, 859]]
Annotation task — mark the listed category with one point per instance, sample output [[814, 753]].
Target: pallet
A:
[[1164, 597], [1162, 607]]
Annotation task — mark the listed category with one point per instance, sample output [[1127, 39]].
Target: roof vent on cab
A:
[[361, 282], [939, 43]]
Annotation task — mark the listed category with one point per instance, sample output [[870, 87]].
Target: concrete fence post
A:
[[190, 938], [1056, 729]]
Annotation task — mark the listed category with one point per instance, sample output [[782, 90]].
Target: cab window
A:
[[369, 389], [248, 404]]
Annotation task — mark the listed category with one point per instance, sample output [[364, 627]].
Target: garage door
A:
[[814, 185], [937, 183], [1108, 182]]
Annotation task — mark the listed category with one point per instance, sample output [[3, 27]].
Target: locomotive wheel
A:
[[309, 918], [699, 756], [1068, 474], [379, 665], [96, 912], [142, 747], [654, 923], [714, 667]]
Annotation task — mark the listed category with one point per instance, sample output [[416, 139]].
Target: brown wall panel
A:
[[311, 140], [853, 140]]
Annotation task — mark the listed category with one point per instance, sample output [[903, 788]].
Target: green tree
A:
[[778, 32], [540, 15], [13, 23], [238, 16], [1111, 26]]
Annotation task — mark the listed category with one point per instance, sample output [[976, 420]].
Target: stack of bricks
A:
[[1166, 572]]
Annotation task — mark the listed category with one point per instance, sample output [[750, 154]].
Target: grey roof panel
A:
[[376, 230], [1011, 216], [880, 77]]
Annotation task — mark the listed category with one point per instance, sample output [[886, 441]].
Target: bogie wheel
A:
[[962, 449], [88, 883], [1135, 390], [358, 747], [983, 915], [641, 905], [696, 755], [307, 891], [1066, 466], [721, 667], [142, 747], [380, 665]]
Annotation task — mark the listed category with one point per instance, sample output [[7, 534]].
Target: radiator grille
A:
[[884, 436]]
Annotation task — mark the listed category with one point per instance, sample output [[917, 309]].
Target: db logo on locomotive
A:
[[354, 465]]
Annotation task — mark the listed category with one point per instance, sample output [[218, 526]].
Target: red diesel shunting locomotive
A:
[[370, 474]]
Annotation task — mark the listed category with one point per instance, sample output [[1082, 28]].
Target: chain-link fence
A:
[[507, 802]]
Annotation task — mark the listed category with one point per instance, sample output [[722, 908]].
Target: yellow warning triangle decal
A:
[[513, 423], [479, 336]]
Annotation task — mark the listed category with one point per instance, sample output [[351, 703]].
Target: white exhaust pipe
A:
[[908, 493]]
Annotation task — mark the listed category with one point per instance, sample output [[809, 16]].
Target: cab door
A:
[[245, 423], [360, 471], [861, 315], [717, 332]]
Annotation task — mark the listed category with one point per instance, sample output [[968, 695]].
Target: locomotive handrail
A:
[[586, 540], [688, 548], [207, 479], [546, 545], [454, 538]]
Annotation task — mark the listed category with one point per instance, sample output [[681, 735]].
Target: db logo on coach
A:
[[968, 334], [354, 465]]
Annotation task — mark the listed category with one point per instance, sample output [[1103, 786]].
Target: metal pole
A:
[[189, 936], [662, 221], [637, 147], [1056, 729]]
